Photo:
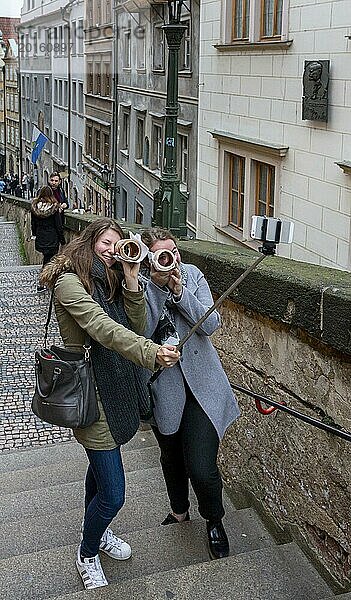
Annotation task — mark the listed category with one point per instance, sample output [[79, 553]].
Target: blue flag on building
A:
[[38, 142]]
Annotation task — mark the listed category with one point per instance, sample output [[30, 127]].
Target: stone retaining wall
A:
[[286, 333]]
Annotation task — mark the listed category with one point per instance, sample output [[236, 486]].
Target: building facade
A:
[[141, 97], [263, 149], [12, 127], [7, 31], [52, 76], [99, 105]]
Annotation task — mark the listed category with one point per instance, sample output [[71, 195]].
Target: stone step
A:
[[64, 452], [343, 596], [43, 501], [172, 563], [42, 532], [74, 470]]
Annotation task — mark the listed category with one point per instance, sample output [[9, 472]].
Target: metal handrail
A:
[[346, 435]]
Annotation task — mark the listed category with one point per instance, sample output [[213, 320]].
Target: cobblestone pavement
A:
[[22, 317]]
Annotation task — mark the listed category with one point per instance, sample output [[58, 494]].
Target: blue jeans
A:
[[104, 496]]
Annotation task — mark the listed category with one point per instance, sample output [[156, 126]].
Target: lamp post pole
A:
[[170, 204]]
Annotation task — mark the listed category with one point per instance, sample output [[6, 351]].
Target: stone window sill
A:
[[239, 46], [255, 144], [236, 235]]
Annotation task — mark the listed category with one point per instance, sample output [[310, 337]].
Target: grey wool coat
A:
[[199, 363]]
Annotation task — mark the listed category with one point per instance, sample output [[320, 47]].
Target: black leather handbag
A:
[[65, 392]]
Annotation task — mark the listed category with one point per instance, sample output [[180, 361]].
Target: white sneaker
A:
[[91, 571], [114, 546]]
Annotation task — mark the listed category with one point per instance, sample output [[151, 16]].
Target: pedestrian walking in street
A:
[[25, 185], [193, 403], [46, 224], [31, 186], [55, 183], [98, 298], [14, 182]]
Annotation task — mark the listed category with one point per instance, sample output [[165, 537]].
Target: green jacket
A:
[[78, 315]]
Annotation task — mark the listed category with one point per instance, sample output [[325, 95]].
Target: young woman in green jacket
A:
[[99, 299]]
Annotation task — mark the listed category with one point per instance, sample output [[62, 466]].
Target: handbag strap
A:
[[49, 316], [87, 344]]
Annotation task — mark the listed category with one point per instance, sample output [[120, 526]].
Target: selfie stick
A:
[[267, 250]]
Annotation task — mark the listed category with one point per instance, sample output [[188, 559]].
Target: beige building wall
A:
[[251, 92]]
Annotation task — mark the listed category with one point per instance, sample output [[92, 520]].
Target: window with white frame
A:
[[90, 78], [183, 158], [73, 35], [80, 36], [158, 47], [248, 185], [255, 21], [60, 149], [48, 144], [80, 101], [156, 146], [35, 43], [65, 151], [185, 47], [139, 213], [125, 130], [60, 96], [264, 188], [89, 140], [65, 93], [47, 90], [74, 155], [35, 89], [141, 39], [97, 89], [127, 49], [97, 154], [106, 79], [74, 95], [236, 190], [56, 144], [139, 137], [89, 12]]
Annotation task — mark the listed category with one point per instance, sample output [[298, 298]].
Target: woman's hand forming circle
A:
[[167, 356], [175, 282]]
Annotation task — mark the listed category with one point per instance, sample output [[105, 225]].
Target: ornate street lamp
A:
[[106, 175], [170, 204]]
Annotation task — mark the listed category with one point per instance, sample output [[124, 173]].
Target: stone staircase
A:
[[42, 483], [40, 515]]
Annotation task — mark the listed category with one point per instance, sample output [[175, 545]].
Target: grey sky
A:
[[11, 9]]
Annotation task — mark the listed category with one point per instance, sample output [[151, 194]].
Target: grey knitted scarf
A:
[[121, 384]]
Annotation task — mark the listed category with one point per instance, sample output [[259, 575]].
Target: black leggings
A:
[[49, 254], [191, 453]]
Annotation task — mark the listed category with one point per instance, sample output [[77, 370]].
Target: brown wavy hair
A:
[[77, 257], [151, 235]]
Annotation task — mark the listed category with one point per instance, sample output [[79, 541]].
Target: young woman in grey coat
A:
[[194, 403]]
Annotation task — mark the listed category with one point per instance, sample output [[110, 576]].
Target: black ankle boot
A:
[[217, 539]]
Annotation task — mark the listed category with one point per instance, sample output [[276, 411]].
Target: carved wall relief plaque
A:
[[315, 90]]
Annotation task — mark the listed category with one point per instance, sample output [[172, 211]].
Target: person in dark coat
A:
[[55, 184], [46, 225], [31, 186]]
